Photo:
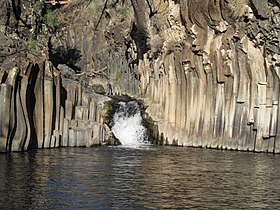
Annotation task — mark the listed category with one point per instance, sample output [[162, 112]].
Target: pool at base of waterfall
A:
[[150, 177]]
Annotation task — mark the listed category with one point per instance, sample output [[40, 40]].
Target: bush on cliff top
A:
[[50, 19]]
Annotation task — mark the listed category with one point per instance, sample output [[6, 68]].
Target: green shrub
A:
[[50, 19], [107, 111], [107, 106], [31, 46], [123, 11]]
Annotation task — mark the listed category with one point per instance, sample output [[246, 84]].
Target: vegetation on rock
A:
[[31, 46], [50, 19]]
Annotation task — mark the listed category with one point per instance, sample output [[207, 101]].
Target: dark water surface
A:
[[148, 178]]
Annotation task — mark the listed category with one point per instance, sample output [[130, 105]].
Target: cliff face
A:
[[40, 110], [43, 106], [208, 71], [210, 75]]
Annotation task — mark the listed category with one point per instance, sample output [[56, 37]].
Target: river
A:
[[148, 177]]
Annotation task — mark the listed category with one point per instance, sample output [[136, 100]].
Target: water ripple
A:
[[151, 178]]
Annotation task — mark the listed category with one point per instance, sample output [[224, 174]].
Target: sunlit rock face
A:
[[207, 70], [39, 109], [211, 72]]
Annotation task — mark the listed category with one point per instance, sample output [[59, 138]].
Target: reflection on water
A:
[[147, 178]]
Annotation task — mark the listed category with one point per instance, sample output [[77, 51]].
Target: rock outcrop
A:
[[39, 109], [208, 71], [214, 80]]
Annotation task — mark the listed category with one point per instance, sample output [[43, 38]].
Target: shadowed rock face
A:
[[207, 70]]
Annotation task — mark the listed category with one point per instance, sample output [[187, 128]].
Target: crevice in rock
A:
[[140, 37], [31, 101]]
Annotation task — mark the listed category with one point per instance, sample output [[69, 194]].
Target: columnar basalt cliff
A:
[[40, 110], [211, 74], [208, 71]]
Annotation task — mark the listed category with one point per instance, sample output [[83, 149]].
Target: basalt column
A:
[[211, 70], [40, 109]]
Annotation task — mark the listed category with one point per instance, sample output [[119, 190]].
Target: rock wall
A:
[[207, 70], [210, 75], [39, 109], [100, 34]]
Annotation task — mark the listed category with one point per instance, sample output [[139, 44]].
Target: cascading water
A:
[[128, 126]]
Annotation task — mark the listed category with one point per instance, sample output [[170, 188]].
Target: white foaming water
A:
[[127, 125]]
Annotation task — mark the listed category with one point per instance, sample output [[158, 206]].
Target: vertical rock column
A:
[[15, 127], [5, 98], [23, 126], [36, 92], [48, 96], [15, 112], [56, 137]]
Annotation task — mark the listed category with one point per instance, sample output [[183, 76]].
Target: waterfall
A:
[[128, 126]]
